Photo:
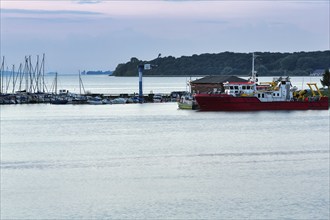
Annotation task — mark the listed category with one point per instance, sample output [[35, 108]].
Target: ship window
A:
[[263, 96], [278, 94], [243, 87], [236, 87], [258, 95], [274, 94], [231, 87]]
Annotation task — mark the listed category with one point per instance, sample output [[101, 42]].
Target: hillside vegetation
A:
[[229, 63]]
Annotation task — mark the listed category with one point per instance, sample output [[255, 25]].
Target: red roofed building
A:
[[212, 83]]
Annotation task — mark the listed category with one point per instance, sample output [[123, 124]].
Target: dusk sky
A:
[[98, 35]]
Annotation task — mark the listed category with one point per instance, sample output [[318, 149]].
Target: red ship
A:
[[223, 102], [251, 96]]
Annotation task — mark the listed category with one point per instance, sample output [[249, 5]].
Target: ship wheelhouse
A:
[[239, 88]]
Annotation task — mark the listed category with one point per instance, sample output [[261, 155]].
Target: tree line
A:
[[230, 63]]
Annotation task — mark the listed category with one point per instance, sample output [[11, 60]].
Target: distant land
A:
[[98, 72], [230, 63], [8, 73]]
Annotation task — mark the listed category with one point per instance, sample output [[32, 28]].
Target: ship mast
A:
[[254, 73]]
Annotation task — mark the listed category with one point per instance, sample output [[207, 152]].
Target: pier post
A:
[[140, 67]]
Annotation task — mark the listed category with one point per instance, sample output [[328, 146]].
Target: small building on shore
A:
[[318, 72], [209, 84]]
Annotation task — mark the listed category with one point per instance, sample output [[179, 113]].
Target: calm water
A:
[[117, 85], [153, 161]]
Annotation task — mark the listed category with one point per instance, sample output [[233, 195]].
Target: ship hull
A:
[[213, 102]]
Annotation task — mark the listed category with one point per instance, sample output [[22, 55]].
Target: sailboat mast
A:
[[56, 83], [79, 84], [8, 80], [31, 75], [13, 91], [43, 73], [20, 77], [2, 72], [26, 74]]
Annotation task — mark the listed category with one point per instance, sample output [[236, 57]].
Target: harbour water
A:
[[104, 84], [153, 161], [117, 85]]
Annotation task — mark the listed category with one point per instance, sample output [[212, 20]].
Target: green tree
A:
[[304, 63], [262, 70], [326, 78], [227, 70], [289, 62]]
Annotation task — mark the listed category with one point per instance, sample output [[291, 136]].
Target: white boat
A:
[[94, 100], [157, 98], [106, 101], [118, 101], [134, 99], [59, 100]]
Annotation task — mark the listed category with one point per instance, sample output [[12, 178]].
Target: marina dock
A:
[[66, 97]]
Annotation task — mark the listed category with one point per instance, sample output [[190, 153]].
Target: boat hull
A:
[[59, 102], [185, 105], [214, 102]]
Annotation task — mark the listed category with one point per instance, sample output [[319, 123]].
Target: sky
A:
[[98, 35]]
